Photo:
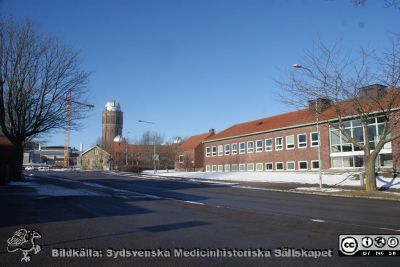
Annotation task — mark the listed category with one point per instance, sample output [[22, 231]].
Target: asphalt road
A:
[[95, 210]]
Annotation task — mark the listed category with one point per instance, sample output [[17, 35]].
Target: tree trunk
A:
[[370, 177], [17, 173]]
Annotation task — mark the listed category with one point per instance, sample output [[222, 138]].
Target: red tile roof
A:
[[292, 119], [4, 141], [194, 141]]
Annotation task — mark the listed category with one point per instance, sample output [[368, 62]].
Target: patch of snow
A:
[[53, 190], [339, 179], [320, 190]]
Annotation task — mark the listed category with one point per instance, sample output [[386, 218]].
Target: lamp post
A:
[[299, 66], [154, 144]]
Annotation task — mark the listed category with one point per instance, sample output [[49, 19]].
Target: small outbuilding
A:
[[95, 158]]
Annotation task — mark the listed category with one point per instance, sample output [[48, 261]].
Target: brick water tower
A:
[[112, 120]]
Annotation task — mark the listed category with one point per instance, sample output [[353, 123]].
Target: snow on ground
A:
[[53, 190], [338, 179]]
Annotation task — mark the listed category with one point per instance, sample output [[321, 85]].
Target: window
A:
[[208, 151], [214, 168], [290, 165], [214, 151], [268, 144], [268, 166], [241, 148], [227, 167], [220, 168], [315, 164], [303, 165], [250, 167], [181, 158], [208, 169], [302, 140], [259, 146], [290, 142], [259, 167], [278, 143], [234, 149], [279, 166], [235, 168], [220, 150], [242, 167], [227, 149], [314, 139], [250, 147]]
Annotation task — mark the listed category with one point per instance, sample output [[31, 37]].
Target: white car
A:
[[29, 168], [43, 168]]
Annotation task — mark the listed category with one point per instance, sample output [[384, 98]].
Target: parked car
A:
[[43, 168], [29, 168]]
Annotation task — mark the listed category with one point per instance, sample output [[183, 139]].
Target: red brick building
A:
[[191, 153], [8, 159], [290, 142]]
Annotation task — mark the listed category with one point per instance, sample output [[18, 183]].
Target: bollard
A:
[[361, 179]]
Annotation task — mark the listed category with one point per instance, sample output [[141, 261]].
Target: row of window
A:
[[269, 166], [263, 145], [355, 129]]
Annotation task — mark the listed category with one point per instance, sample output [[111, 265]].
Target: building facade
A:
[[95, 158], [112, 122], [190, 154], [296, 141]]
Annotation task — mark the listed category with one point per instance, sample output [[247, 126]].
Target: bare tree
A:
[[343, 81], [37, 76]]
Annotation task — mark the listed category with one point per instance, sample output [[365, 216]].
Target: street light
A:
[[126, 148], [299, 66], [154, 144]]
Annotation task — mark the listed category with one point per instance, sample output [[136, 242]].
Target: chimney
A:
[[319, 105], [81, 147], [372, 92], [211, 131]]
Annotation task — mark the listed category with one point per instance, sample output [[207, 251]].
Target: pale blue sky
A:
[[194, 65]]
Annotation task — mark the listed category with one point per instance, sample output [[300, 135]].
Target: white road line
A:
[[193, 202], [383, 228], [318, 220]]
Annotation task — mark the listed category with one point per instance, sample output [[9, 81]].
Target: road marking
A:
[[318, 220], [193, 202], [388, 229]]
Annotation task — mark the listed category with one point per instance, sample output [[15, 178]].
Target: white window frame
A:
[[272, 164], [294, 165], [227, 168], [312, 165], [248, 165], [244, 167], [234, 152], [262, 167], [269, 148], [183, 159], [300, 143], [214, 168], [227, 151], [250, 142], [208, 152], [212, 151], [234, 167], [287, 144], [244, 148], [276, 143], [261, 147], [298, 165], [220, 150], [311, 140], [208, 168], [220, 168], [276, 166]]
